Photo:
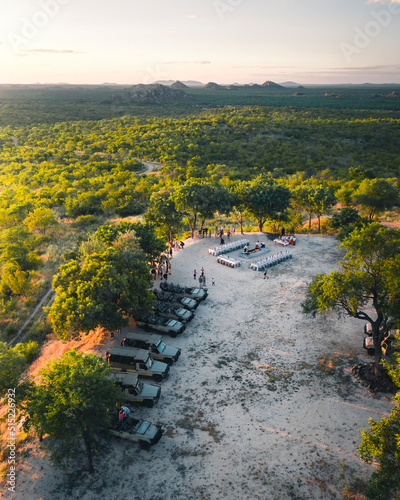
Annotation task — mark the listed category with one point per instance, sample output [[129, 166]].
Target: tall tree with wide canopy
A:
[[162, 212], [72, 406], [146, 236], [314, 199], [366, 286], [200, 198], [104, 290], [377, 195], [267, 200], [239, 191]]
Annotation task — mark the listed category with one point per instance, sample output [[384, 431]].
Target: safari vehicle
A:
[[154, 344], [138, 361], [175, 300], [193, 293], [179, 313], [164, 325], [135, 390], [368, 343], [138, 431]]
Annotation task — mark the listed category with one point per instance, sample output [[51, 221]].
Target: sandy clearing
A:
[[248, 415]]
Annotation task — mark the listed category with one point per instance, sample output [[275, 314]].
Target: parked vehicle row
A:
[[146, 355]]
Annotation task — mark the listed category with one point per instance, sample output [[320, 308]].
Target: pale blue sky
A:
[[227, 41]]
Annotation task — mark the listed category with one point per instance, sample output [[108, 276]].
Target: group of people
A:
[[290, 238], [202, 277], [162, 269], [257, 246], [176, 245]]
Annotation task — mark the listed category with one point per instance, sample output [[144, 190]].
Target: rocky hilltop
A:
[[179, 85], [156, 94]]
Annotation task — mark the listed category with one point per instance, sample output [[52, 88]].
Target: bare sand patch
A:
[[261, 404]]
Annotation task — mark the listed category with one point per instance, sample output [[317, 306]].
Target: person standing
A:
[[212, 281], [265, 273], [201, 282], [194, 274]]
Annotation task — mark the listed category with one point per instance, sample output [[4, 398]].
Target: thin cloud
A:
[[186, 62], [190, 16], [51, 51], [383, 1], [383, 67]]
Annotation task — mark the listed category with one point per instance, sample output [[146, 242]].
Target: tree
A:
[[146, 236], [381, 443], [201, 199], [345, 193], [323, 201], [239, 192], [40, 219], [366, 286], [103, 291], [12, 364], [314, 199], [72, 405], [346, 220], [266, 200], [163, 213], [377, 195]]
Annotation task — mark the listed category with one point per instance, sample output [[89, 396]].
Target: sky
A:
[[224, 41]]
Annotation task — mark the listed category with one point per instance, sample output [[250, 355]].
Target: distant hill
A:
[[214, 86], [272, 85], [289, 84], [179, 85], [154, 94], [188, 83]]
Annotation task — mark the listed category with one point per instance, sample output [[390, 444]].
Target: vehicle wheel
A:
[[172, 334], [149, 403], [157, 378], [144, 445], [371, 352], [169, 361]]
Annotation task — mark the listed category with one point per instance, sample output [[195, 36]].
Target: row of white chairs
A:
[[227, 261], [270, 261], [228, 247]]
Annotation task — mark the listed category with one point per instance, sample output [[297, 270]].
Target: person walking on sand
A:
[[265, 273], [212, 281], [201, 282], [194, 274]]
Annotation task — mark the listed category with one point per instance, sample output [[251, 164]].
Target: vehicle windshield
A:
[[139, 386], [160, 346], [172, 322], [143, 427], [182, 311], [149, 362], [196, 290]]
